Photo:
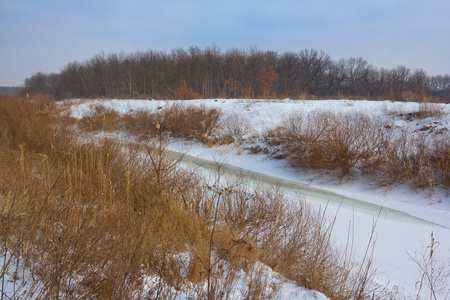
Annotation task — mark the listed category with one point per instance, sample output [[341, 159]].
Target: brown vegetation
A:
[[177, 119], [343, 145], [95, 220], [330, 141], [100, 118]]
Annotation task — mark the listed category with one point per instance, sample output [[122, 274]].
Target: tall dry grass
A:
[[95, 220], [32, 124]]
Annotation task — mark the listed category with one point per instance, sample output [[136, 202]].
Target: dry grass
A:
[[344, 145], [426, 109], [94, 220], [27, 124], [281, 236], [429, 110], [177, 120]]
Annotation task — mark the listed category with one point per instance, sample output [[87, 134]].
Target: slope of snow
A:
[[396, 241]]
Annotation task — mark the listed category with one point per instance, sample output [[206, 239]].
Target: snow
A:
[[395, 239], [275, 286]]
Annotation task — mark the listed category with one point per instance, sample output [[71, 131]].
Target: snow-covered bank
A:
[[394, 239]]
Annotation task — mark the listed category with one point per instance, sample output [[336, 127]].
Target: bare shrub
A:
[[177, 120], [343, 145], [435, 273], [190, 121], [421, 162], [400, 164], [294, 240], [140, 123], [236, 127], [442, 160], [101, 118], [330, 141]]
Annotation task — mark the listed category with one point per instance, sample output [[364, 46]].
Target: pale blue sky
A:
[[46, 35]]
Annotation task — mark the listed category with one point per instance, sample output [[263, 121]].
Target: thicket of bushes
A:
[[94, 220], [208, 73], [344, 145]]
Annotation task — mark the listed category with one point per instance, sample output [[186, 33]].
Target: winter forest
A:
[[253, 73]]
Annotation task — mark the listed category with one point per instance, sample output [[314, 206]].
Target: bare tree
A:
[[235, 73]]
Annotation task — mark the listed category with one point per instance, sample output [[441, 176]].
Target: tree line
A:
[[253, 73]]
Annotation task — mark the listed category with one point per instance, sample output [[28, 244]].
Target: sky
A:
[[46, 35]]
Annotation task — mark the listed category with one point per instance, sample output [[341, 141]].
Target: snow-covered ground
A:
[[396, 239]]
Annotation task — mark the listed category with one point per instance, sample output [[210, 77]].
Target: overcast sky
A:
[[46, 35]]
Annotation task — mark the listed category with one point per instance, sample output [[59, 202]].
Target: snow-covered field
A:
[[397, 239]]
